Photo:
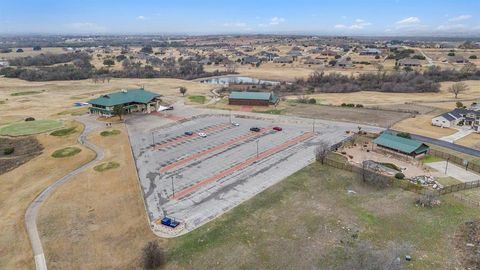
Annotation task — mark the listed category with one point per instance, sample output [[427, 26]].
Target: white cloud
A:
[[451, 27], [141, 17], [235, 24], [408, 21], [359, 24], [276, 21], [460, 18], [87, 27]]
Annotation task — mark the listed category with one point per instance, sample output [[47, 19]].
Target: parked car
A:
[[235, 124], [188, 133], [201, 134], [255, 129], [169, 222], [277, 128]]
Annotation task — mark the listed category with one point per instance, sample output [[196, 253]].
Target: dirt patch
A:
[[468, 244], [356, 115], [24, 149]]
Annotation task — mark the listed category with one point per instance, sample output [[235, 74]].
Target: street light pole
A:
[[313, 128], [173, 188], [153, 138], [257, 147], [446, 166]]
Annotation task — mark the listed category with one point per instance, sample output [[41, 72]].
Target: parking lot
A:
[[194, 179]]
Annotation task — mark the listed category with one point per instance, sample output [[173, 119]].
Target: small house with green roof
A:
[[401, 145], [132, 100], [252, 98]]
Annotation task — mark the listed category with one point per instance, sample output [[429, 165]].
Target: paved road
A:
[[456, 147], [34, 207]]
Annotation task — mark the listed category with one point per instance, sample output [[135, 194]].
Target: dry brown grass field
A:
[[97, 220], [20, 186], [51, 98], [472, 140]]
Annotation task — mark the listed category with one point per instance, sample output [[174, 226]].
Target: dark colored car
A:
[[169, 222], [169, 108], [255, 129], [277, 128], [188, 133]]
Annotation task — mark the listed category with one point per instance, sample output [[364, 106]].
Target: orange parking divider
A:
[[184, 192], [210, 150]]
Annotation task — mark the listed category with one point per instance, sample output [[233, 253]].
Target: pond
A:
[[225, 80]]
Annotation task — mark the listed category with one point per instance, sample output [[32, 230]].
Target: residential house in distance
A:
[[457, 60], [132, 100], [252, 60], [252, 98], [370, 51], [283, 60], [407, 62], [464, 117]]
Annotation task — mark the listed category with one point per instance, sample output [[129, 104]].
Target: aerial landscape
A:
[[240, 135]]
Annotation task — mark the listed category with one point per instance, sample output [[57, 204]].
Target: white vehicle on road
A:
[[201, 134], [235, 124]]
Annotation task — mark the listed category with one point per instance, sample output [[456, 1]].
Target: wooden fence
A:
[[459, 187]]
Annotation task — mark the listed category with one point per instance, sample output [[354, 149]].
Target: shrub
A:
[[344, 105], [428, 200], [405, 135], [451, 54], [459, 104], [152, 256], [399, 175], [359, 106], [29, 119], [473, 57], [312, 101], [8, 151], [106, 166], [377, 56]]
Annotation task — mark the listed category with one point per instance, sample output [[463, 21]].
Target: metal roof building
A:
[[402, 145], [132, 100], [252, 98]]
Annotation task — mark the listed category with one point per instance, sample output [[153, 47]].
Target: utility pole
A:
[[313, 126], [257, 148], [173, 188], [153, 138], [230, 116], [446, 166]]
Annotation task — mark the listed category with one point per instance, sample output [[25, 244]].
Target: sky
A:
[[323, 17]]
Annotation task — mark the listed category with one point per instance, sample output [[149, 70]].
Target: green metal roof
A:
[[126, 96], [400, 144], [253, 95]]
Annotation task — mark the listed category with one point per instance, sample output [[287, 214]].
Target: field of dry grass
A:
[[51, 98], [97, 220], [20, 186], [381, 98], [472, 141]]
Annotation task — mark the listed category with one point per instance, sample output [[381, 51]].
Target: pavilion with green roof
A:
[[252, 98], [401, 145], [132, 100]]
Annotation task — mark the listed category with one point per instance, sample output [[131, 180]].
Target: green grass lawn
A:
[[26, 93], [430, 159], [29, 127], [304, 222], [64, 132], [107, 133], [106, 166], [66, 152], [197, 99], [448, 181]]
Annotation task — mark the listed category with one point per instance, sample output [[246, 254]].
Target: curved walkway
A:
[[34, 207]]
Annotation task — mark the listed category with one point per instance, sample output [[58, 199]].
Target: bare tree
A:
[[321, 151], [182, 90], [373, 178], [152, 256], [458, 88], [429, 200], [469, 68]]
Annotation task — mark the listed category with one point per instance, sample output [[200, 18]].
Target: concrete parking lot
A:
[[195, 179]]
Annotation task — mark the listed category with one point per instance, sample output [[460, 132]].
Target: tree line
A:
[[48, 59]]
